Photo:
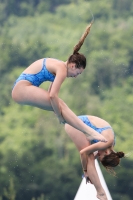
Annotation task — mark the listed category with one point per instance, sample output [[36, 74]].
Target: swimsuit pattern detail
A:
[[99, 130], [39, 78]]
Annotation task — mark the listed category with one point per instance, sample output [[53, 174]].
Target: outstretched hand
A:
[[87, 178], [61, 119]]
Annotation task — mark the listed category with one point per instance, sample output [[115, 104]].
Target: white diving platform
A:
[[88, 191]]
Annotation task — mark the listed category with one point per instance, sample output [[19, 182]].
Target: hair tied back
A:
[[82, 39], [120, 154]]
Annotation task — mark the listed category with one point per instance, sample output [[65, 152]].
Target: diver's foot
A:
[[98, 137], [101, 138]]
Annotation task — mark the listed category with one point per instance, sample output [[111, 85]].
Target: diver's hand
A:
[[87, 178], [61, 119]]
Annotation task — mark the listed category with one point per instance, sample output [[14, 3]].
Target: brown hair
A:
[[77, 57], [112, 160]]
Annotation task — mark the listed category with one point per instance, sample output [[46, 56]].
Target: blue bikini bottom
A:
[[85, 119]]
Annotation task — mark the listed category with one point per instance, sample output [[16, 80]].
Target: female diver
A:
[[89, 150], [26, 89]]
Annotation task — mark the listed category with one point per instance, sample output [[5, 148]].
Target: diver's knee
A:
[[16, 97]]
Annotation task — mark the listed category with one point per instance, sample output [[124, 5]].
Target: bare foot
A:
[[102, 196], [97, 136]]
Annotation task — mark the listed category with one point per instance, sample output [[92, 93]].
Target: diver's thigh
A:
[[32, 95], [77, 137]]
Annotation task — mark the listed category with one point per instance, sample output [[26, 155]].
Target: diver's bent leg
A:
[[34, 96], [74, 121]]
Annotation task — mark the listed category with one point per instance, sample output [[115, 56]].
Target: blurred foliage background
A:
[[37, 159]]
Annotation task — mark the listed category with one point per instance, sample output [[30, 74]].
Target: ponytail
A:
[[112, 160], [78, 58], [82, 39], [120, 154]]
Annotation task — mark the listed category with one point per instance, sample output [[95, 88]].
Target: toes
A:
[[103, 140]]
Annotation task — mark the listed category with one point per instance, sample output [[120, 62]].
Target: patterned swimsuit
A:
[[39, 78]]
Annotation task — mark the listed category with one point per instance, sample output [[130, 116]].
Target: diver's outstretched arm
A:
[[71, 119], [88, 162]]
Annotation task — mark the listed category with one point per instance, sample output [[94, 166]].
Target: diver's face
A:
[[73, 71], [102, 153]]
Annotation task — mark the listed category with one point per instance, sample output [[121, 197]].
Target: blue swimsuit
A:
[[85, 119], [39, 78]]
